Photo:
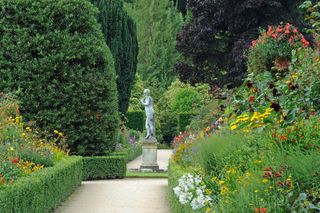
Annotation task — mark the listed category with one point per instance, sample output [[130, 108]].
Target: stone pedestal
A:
[[149, 155]]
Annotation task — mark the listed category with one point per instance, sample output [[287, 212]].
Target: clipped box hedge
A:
[[136, 120], [174, 173], [43, 190], [104, 167], [184, 119]]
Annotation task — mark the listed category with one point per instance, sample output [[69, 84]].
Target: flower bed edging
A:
[[43, 190]]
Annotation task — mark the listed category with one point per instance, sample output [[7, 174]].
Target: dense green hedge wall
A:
[[43, 190], [104, 167], [120, 34], [53, 52], [184, 119], [136, 120], [174, 173]]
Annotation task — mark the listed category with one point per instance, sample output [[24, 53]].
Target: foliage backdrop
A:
[[54, 55], [121, 37]]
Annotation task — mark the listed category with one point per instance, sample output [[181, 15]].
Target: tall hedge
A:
[[54, 54], [120, 34]]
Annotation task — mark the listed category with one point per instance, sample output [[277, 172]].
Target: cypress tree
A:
[[158, 22], [120, 34]]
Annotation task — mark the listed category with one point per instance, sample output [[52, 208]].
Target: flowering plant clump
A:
[[304, 134], [192, 190], [257, 120], [22, 150], [285, 32], [272, 50]]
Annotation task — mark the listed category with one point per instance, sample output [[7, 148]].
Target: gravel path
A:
[[130, 195]]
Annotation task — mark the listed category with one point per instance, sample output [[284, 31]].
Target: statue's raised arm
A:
[[147, 102]]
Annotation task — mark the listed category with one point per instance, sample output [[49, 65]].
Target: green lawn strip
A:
[[131, 174]]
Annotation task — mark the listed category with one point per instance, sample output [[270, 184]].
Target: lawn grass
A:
[[133, 174]]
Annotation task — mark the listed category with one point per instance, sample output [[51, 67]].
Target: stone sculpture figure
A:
[[147, 102]]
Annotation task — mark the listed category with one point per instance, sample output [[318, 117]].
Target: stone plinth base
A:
[[149, 155]]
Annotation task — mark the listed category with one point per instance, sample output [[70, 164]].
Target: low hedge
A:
[[134, 152], [136, 120], [43, 190], [184, 119], [174, 173], [104, 167]]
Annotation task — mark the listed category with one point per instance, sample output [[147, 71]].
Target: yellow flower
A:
[[208, 191], [28, 129], [256, 191], [224, 189], [265, 181], [270, 187], [24, 135], [55, 131], [220, 182], [257, 161], [11, 148], [231, 171], [213, 179], [60, 134], [233, 127]]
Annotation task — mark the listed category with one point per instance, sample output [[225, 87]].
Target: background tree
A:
[[120, 34], [215, 41], [54, 54], [158, 22]]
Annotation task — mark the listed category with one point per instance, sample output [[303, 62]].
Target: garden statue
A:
[[147, 102]]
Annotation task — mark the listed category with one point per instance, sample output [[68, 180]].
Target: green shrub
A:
[[134, 152], [54, 54], [104, 167], [184, 119], [120, 34], [174, 173], [43, 190], [136, 120]]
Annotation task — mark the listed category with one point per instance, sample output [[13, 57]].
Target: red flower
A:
[[295, 30], [15, 160], [280, 183], [270, 31], [277, 174], [267, 174], [263, 210], [254, 43], [268, 168], [279, 30], [251, 99], [249, 84], [260, 210], [305, 43]]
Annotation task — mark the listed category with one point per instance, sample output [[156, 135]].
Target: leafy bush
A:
[[184, 120], [104, 167], [44, 190], [213, 42], [272, 50], [120, 35], [179, 97], [136, 120], [55, 56]]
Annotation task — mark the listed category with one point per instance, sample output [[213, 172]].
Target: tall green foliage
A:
[[158, 22], [120, 34], [53, 52]]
